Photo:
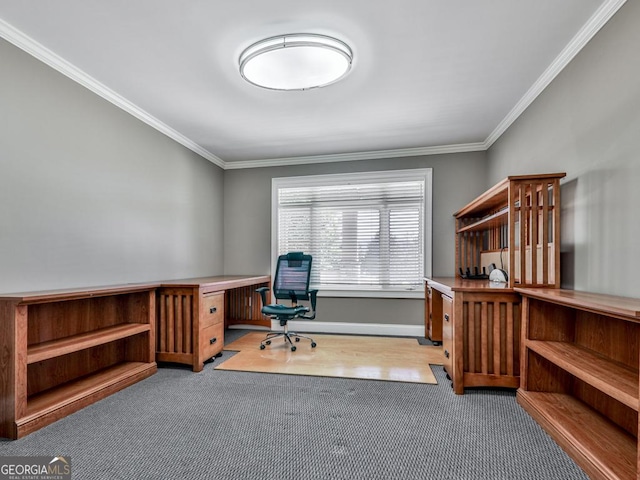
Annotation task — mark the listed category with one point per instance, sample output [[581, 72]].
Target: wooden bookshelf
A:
[[580, 376], [66, 349]]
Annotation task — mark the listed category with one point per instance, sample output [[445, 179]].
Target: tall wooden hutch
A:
[[516, 226]]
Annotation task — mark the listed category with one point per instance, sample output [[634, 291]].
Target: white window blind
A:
[[365, 231]]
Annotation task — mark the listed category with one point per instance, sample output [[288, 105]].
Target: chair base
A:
[[287, 337]]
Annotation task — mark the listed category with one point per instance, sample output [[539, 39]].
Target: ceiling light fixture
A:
[[298, 61]]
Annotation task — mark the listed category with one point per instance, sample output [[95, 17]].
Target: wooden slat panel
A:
[[471, 339], [545, 234], [240, 300], [534, 233], [255, 306], [162, 328], [179, 331], [175, 321], [497, 339], [178, 325], [513, 211], [151, 316], [243, 306], [490, 344], [556, 231], [524, 219], [511, 370], [188, 323], [170, 322], [484, 338]]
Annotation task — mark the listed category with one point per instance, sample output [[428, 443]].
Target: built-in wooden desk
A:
[[62, 350], [193, 313]]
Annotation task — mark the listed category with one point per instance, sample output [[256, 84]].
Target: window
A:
[[369, 233]]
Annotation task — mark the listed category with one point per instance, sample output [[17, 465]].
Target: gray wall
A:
[[587, 123], [89, 195], [457, 179]]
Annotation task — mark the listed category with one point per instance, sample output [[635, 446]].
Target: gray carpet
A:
[[236, 425]]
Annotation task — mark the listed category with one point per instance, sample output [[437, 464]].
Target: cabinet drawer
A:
[[211, 340], [212, 310], [447, 334]]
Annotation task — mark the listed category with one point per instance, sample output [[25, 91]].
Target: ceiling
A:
[[428, 76]]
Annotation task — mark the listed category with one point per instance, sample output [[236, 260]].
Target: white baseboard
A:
[[384, 329]]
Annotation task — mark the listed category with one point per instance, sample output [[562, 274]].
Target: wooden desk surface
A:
[[218, 282], [213, 283], [76, 293], [457, 284]]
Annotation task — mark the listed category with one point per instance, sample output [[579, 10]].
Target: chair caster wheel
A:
[[268, 342], [293, 349], [297, 339], [313, 344], [262, 347]]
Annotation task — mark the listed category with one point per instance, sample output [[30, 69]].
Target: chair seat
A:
[[279, 309]]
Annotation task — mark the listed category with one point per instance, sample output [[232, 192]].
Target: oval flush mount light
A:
[[298, 61]]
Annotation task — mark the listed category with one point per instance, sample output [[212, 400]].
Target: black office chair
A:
[[291, 282]]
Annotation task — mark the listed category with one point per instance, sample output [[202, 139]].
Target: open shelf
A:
[[64, 399], [56, 348], [612, 378], [497, 219], [73, 391], [600, 447]]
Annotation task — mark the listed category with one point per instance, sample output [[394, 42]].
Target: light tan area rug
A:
[[348, 356]]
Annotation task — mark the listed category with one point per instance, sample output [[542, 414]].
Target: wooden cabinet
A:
[[580, 376], [192, 314], [63, 350], [480, 332], [432, 316], [516, 226]]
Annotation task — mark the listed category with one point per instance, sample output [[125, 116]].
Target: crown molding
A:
[[586, 33], [577, 43], [350, 157], [35, 49]]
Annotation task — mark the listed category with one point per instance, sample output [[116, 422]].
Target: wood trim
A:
[[48, 296], [610, 305]]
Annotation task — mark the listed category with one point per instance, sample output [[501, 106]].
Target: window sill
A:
[[414, 293]]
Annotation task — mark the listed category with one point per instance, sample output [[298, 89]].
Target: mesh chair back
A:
[[292, 275]]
